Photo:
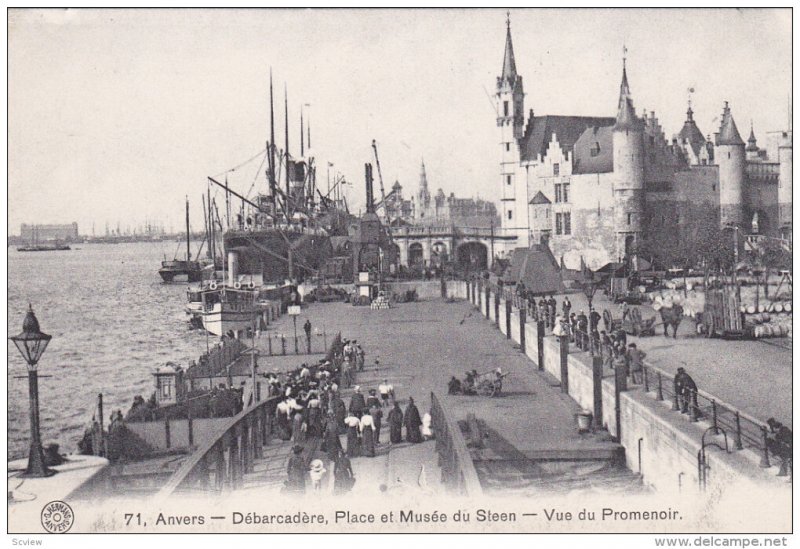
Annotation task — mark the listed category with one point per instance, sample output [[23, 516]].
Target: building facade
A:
[[44, 233], [594, 187]]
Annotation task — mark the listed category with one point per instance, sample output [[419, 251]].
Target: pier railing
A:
[[221, 462], [742, 430], [458, 471]]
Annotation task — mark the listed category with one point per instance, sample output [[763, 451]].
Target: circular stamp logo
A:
[[57, 517]]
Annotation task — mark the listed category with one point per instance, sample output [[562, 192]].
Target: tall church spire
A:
[[509, 65]]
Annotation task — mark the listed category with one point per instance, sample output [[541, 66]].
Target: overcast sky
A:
[[116, 115]]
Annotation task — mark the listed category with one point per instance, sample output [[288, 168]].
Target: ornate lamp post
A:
[[31, 343], [589, 288]]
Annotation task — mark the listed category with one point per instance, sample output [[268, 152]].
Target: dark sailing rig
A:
[[192, 269]]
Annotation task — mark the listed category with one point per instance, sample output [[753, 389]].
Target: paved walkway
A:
[[418, 347], [754, 376]]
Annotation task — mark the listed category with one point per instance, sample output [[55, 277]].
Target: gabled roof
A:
[[540, 198], [567, 129], [589, 141], [536, 267]]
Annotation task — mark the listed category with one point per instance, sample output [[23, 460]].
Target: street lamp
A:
[[31, 343], [589, 288]]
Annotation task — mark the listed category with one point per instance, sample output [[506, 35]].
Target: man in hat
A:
[[582, 335], [307, 330], [566, 307], [377, 416], [357, 403], [396, 424], [551, 310], [296, 472], [372, 399], [780, 444]]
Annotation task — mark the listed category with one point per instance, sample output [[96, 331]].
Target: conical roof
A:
[[751, 141], [626, 114], [728, 132]]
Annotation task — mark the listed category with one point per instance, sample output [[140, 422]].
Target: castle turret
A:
[[510, 119], [751, 151], [730, 156], [628, 142], [785, 184]]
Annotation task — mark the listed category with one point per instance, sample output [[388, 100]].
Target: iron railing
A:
[[745, 431]]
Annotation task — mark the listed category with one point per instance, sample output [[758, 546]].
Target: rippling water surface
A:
[[112, 320]]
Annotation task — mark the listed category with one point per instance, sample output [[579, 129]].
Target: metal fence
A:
[[741, 430]]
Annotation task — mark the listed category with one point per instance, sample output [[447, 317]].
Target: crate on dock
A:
[[722, 314]]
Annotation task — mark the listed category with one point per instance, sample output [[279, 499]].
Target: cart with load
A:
[[485, 384]]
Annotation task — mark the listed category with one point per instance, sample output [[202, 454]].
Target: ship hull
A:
[[265, 252]]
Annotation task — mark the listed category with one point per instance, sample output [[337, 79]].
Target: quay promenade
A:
[[754, 375]]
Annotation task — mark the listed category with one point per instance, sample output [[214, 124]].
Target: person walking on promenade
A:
[[412, 422], [606, 349], [307, 330], [367, 435], [298, 427], [372, 399], [566, 307], [582, 335], [296, 472], [542, 311], [357, 403], [780, 444], [343, 478], [395, 419], [635, 362], [339, 412], [316, 472], [386, 390], [332, 443], [360, 357], [625, 310], [377, 416], [551, 310], [314, 418], [686, 389], [353, 436]]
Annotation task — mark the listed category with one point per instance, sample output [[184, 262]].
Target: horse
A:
[[671, 317]]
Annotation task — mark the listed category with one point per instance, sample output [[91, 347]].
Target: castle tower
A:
[[510, 119], [730, 156], [629, 198], [785, 184]]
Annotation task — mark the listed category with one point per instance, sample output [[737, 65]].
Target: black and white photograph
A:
[[447, 270]]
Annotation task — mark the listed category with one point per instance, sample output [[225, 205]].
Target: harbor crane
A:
[[380, 179]]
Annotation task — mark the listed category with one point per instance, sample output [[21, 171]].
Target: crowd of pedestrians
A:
[[312, 409]]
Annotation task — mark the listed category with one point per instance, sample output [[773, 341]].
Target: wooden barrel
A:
[[778, 307], [787, 306], [762, 308], [751, 309]]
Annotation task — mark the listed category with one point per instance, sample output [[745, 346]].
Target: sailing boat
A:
[[192, 269]]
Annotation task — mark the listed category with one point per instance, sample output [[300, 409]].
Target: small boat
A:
[[44, 248], [191, 269], [229, 309]]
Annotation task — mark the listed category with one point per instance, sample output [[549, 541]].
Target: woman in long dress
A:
[[395, 419], [353, 442], [412, 422], [332, 443], [367, 436], [298, 427]]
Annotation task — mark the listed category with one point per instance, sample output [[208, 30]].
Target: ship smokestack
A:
[[233, 266]]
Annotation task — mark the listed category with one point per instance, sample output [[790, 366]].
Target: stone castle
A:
[[593, 187]]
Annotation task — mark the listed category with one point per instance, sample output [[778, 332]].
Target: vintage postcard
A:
[[400, 271]]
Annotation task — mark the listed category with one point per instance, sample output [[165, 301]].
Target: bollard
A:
[[693, 407], [191, 429], [597, 386], [283, 345], [737, 438], [540, 343], [660, 390], [296, 348], [497, 310], [765, 454], [522, 314], [645, 379], [167, 437], [564, 345], [486, 301], [508, 319], [269, 342], [714, 425]]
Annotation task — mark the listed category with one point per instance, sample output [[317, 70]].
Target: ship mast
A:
[[272, 192], [286, 152], [188, 247]]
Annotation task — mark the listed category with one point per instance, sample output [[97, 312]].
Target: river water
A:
[[113, 322]]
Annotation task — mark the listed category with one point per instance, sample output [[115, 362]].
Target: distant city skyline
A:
[[116, 115]]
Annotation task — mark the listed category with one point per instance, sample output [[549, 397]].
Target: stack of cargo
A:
[[380, 302], [772, 319]]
